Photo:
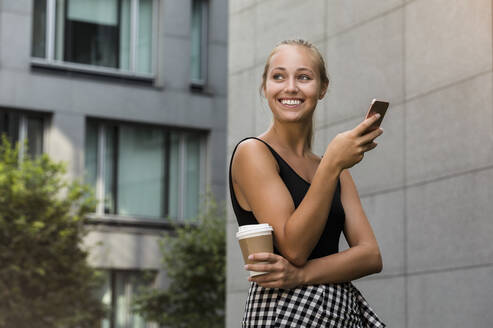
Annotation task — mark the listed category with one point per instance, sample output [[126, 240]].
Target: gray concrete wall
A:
[[427, 188], [71, 98]]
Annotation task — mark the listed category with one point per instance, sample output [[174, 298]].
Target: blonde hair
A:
[[324, 79]]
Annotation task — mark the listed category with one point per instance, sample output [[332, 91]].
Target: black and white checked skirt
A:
[[330, 305]]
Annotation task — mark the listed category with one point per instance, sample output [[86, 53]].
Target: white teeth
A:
[[291, 101]]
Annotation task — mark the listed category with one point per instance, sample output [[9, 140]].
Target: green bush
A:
[[45, 280], [194, 258]]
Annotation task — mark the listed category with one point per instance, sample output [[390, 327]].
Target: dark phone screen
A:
[[379, 107]]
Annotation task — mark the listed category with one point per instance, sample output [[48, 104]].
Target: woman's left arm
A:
[[362, 258]]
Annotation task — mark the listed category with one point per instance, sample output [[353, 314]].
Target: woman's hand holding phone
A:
[[348, 148]]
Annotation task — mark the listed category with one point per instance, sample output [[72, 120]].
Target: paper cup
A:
[[255, 238]]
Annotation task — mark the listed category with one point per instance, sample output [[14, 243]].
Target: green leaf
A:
[[38, 225]]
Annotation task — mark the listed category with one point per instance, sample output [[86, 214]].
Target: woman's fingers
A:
[[271, 285], [363, 126], [370, 136], [265, 278], [273, 280], [269, 257], [267, 281], [263, 267], [369, 146]]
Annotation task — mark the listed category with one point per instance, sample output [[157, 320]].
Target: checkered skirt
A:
[[329, 305]]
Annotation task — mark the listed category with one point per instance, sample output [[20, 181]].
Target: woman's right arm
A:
[[297, 231]]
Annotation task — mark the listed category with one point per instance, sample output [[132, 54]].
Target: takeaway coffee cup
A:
[[255, 238]]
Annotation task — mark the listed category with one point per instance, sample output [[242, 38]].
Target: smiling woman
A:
[[311, 77], [308, 281]]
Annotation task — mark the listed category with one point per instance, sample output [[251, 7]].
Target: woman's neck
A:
[[290, 137]]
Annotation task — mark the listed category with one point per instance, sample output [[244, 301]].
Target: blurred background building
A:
[[428, 187], [131, 94]]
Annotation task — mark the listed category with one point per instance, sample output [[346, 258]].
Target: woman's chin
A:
[[297, 118]]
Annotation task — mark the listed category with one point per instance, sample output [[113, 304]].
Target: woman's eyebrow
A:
[[304, 69], [297, 70]]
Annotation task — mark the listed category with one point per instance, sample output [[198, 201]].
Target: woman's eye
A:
[[277, 76], [304, 77]]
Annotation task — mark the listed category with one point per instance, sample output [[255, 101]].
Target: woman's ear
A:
[[323, 90]]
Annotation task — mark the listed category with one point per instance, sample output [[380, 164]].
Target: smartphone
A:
[[377, 106]]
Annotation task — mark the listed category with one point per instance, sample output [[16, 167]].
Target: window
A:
[[19, 127], [118, 290], [39, 29], [198, 58], [114, 34], [145, 172]]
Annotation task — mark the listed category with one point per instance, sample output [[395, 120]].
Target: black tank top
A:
[[298, 187]]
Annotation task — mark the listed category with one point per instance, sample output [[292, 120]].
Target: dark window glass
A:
[[174, 170], [198, 31], [92, 32], [9, 125], [39, 29], [91, 154], [110, 169], [192, 176], [34, 136], [141, 162]]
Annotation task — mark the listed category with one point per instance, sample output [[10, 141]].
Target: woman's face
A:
[[293, 86]]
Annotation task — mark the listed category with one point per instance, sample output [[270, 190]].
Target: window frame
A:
[[49, 60], [164, 218]]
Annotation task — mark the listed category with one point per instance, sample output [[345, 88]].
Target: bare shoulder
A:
[[252, 154]]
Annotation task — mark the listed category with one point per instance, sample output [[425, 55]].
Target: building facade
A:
[[131, 94], [427, 189]]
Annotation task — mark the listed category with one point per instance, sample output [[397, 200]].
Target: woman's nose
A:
[[291, 85]]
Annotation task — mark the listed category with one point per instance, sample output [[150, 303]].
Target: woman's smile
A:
[[291, 102]]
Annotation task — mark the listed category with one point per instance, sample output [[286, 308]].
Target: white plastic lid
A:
[[251, 230]]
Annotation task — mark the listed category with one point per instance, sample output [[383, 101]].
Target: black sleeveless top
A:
[[298, 187]]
